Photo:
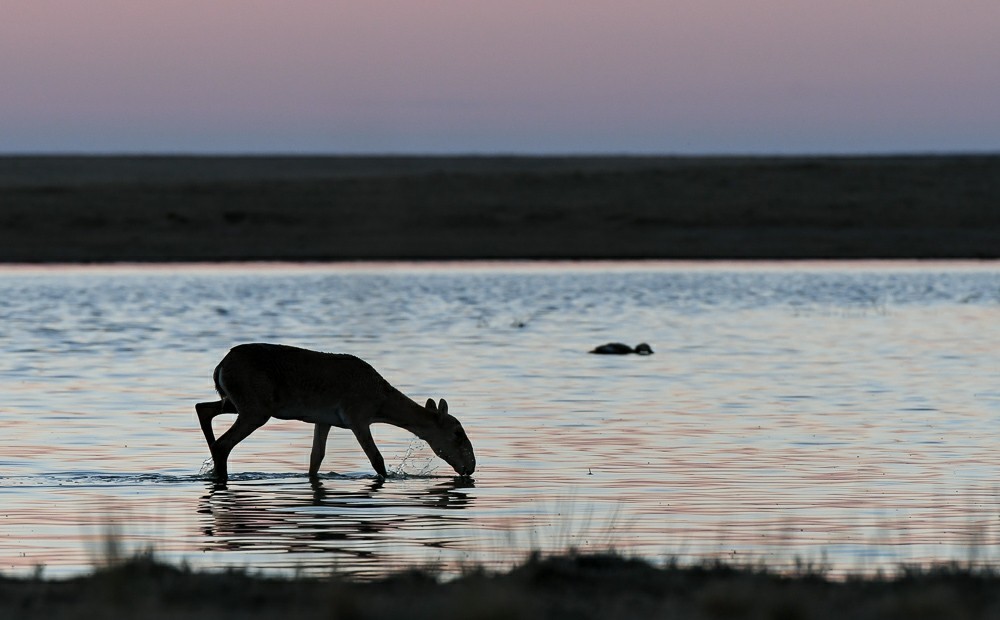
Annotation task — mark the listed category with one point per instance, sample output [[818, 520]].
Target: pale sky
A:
[[500, 76]]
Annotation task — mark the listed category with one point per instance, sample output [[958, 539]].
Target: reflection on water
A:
[[361, 527], [840, 411]]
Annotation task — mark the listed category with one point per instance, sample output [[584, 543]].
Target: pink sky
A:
[[444, 76]]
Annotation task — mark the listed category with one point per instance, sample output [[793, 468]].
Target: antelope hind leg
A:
[[207, 412], [240, 430]]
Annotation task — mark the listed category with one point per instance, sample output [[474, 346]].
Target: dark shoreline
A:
[[565, 586], [78, 209]]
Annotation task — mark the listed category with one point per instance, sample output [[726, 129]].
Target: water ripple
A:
[[843, 411]]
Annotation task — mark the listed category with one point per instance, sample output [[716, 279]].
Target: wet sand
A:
[[105, 209]]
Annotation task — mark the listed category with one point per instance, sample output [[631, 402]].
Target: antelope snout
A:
[[468, 468]]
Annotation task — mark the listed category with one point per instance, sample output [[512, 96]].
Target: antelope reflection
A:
[[320, 519]]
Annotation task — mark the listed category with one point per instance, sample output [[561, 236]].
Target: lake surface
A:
[[838, 413]]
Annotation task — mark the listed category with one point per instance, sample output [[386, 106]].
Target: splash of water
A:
[[409, 465], [207, 468]]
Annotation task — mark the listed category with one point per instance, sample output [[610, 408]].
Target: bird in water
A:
[[617, 348]]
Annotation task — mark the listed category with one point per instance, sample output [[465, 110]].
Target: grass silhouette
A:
[[567, 585]]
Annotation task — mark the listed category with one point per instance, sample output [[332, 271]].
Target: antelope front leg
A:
[[364, 436], [320, 432]]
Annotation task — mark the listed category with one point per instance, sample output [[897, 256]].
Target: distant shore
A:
[[181, 209]]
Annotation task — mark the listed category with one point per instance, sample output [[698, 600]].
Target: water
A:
[[843, 413]]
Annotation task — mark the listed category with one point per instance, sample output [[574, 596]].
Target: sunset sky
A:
[[517, 76]]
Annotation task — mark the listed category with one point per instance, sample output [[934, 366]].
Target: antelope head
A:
[[449, 440]]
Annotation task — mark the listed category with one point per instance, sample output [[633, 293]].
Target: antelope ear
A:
[[430, 405], [443, 406]]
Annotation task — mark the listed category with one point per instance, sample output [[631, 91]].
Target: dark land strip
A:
[[113, 209]]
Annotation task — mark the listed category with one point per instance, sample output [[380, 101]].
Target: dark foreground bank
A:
[[99, 209], [604, 586]]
